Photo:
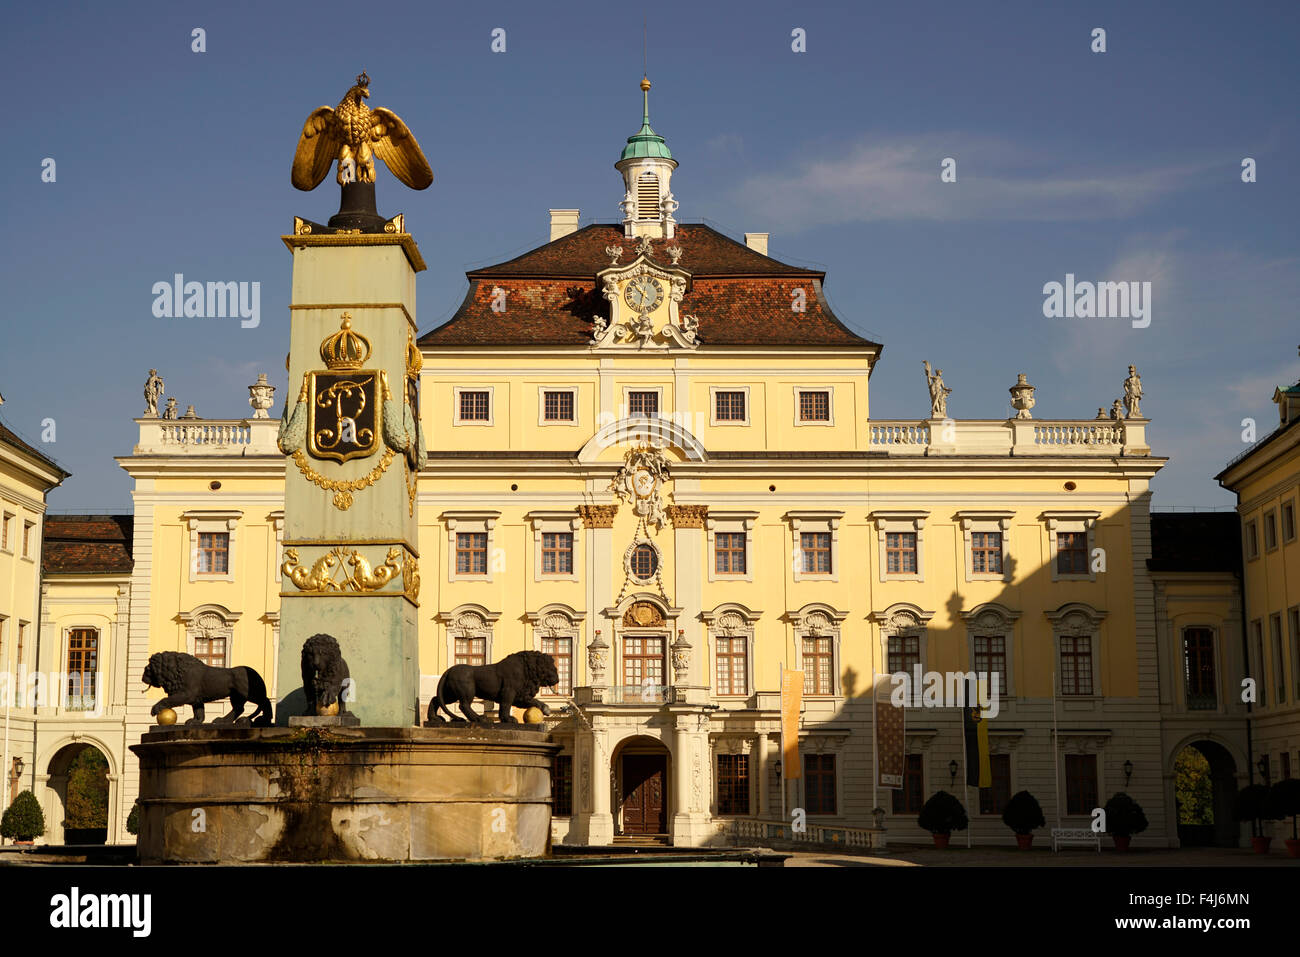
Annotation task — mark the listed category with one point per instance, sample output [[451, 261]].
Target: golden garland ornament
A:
[[343, 488]]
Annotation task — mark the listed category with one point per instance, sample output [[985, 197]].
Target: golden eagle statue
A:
[[353, 134]]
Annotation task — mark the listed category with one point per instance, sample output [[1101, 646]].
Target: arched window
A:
[[83, 667], [647, 196]]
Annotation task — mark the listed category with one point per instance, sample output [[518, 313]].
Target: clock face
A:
[[644, 294]]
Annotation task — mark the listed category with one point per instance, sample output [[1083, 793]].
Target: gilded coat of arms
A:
[[344, 412]]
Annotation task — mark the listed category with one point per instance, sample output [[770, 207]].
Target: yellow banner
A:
[[791, 705]]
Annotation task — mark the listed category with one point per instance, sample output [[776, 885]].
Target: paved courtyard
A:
[[904, 855]]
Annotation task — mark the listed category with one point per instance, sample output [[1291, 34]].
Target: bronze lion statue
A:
[[513, 681], [325, 678], [187, 680]]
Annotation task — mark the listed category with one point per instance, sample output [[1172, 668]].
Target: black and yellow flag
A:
[[979, 772]]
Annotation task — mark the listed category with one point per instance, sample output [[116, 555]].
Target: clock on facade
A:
[[644, 294]]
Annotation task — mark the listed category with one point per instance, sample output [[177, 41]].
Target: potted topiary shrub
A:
[[133, 819], [1283, 801], [24, 821], [1248, 805], [1124, 818], [941, 815], [1022, 814]]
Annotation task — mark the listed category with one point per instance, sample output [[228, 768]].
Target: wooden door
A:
[[643, 794]]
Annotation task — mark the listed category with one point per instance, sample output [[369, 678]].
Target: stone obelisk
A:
[[350, 429]]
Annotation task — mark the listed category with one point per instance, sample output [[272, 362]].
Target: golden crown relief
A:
[[345, 350]]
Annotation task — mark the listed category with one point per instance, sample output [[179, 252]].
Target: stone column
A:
[[681, 773], [349, 526], [760, 762], [600, 826]]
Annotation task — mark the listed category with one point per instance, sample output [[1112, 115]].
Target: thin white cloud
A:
[[898, 179]]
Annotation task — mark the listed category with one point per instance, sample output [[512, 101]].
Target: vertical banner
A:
[[791, 705], [890, 723], [979, 772]]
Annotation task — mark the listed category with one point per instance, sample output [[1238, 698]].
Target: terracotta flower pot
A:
[[1292, 847], [1024, 841], [1260, 844], [1121, 841], [941, 840]]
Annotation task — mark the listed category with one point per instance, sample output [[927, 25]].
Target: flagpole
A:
[[965, 781], [875, 746], [784, 769], [1056, 771]]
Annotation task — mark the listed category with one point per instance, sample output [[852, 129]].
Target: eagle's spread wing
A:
[[396, 146], [318, 147]]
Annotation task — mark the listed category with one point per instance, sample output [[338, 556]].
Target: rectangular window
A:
[[471, 651], [1198, 669], [643, 662], [904, 653], [83, 667], [1252, 540], [214, 553], [733, 784], [557, 553], [991, 658], [993, 799], [1286, 764], [1293, 616], [731, 667], [729, 406], [1261, 686], [211, 651], [1270, 530], [643, 403], [1076, 664], [562, 785], [27, 539], [471, 553], [1072, 553], [986, 553], [4, 530], [558, 406], [817, 666], [900, 553], [1279, 672], [1288, 522], [561, 651], [1080, 783], [814, 406], [474, 407], [816, 549], [819, 783], [729, 553], [18, 649], [911, 796]]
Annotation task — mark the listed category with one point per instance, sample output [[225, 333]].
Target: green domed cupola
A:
[[647, 166], [645, 141]]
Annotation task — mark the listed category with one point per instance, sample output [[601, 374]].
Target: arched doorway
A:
[[641, 768], [1205, 782], [78, 776]]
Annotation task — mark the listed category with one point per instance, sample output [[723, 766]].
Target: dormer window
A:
[[647, 196]]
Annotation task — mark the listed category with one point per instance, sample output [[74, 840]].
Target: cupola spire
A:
[[647, 166]]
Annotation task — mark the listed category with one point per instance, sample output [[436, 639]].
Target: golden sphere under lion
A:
[[167, 716], [533, 716]]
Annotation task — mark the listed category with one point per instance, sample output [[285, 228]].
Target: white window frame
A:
[[27, 540], [716, 628], [800, 619], [542, 420], [713, 406], [64, 647], [833, 744], [813, 520], [900, 520], [903, 620], [984, 520], [543, 521], [1250, 534], [199, 623], [734, 522], [6, 534], [626, 409], [199, 521], [1278, 657], [830, 402], [1287, 507], [1078, 619], [1072, 520], [997, 620], [468, 621], [456, 391], [1270, 521], [470, 521], [570, 628], [1180, 635]]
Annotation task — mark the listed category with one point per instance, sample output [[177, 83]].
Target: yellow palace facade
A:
[[651, 455]]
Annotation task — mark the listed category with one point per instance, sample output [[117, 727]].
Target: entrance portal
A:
[[644, 809], [1205, 782]]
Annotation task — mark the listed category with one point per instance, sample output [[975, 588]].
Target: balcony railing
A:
[[1019, 437], [207, 437], [744, 830], [639, 694]]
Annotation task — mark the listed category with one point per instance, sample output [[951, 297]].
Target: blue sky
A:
[[1117, 166]]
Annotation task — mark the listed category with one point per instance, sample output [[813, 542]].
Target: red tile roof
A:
[[86, 544], [740, 296]]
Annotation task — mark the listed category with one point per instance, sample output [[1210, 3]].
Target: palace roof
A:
[[12, 439], [740, 296], [86, 544], [1195, 542]]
